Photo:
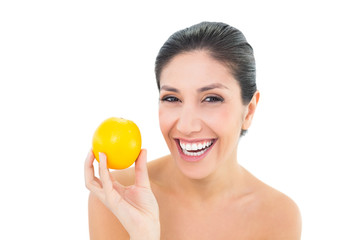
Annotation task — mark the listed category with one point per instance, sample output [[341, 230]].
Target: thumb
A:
[[141, 172]]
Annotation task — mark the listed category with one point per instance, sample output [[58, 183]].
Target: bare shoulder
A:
[[283, 216], [278, 214], [127, 176], [102, 222]]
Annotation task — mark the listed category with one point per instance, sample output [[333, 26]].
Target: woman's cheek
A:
[[167, 118], [223, 119], [217, 116]]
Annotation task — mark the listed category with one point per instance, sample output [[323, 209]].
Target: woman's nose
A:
[[189, 121]]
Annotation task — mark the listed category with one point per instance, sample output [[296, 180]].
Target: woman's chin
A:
[[196, 170]]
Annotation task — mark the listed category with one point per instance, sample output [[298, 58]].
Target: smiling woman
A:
[[208, 97], [206, 107]]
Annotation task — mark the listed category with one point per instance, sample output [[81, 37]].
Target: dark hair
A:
[[223, 42]]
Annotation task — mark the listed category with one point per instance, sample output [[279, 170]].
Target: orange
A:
[[120, 140]]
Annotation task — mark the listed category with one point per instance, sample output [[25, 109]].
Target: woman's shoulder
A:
[[126, 176], [278, 214]]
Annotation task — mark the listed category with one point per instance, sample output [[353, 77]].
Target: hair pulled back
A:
[[223, 42]]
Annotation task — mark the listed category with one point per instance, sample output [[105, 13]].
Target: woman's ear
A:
[[250, 110]]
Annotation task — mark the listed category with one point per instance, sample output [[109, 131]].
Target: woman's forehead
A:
[[196, 68]]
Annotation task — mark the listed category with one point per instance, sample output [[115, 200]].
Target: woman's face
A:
[[200, 112]]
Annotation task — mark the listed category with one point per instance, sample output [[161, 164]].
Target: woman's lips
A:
[[194, 150]]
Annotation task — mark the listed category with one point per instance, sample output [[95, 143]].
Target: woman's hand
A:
[[135, 206]]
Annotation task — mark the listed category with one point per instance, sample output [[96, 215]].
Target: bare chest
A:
[[179, 222]]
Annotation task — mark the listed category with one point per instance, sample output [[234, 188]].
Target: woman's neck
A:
[[224, 182]]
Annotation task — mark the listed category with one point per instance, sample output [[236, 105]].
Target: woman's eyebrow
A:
[[212, 86], [168, 88], [202, 89]]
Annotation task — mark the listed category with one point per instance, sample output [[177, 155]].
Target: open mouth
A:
[[195, 150]]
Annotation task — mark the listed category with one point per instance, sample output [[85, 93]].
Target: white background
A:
[[67, 65]]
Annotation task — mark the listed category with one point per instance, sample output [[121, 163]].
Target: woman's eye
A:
[[170, 99], [213, 99]]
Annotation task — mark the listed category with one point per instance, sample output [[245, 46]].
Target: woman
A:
[[208, 97]]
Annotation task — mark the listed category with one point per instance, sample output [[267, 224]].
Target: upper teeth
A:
[[195, 146]]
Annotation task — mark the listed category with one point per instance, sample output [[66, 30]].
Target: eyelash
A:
[[212, 99], [170, 99]]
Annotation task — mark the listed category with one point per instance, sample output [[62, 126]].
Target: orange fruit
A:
[[120, 140]]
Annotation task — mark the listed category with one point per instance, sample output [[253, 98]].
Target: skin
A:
[[213, 198]]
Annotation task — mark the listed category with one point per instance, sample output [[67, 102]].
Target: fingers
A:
[[105, 174], [89, 171], [92, 183], [141, 172]]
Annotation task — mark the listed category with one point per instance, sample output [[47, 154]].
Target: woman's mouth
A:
[[194, 150]]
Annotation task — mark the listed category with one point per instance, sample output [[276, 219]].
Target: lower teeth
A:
[[194, 153]]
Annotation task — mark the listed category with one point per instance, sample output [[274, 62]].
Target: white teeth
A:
[[194, 153], [186, 147]]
